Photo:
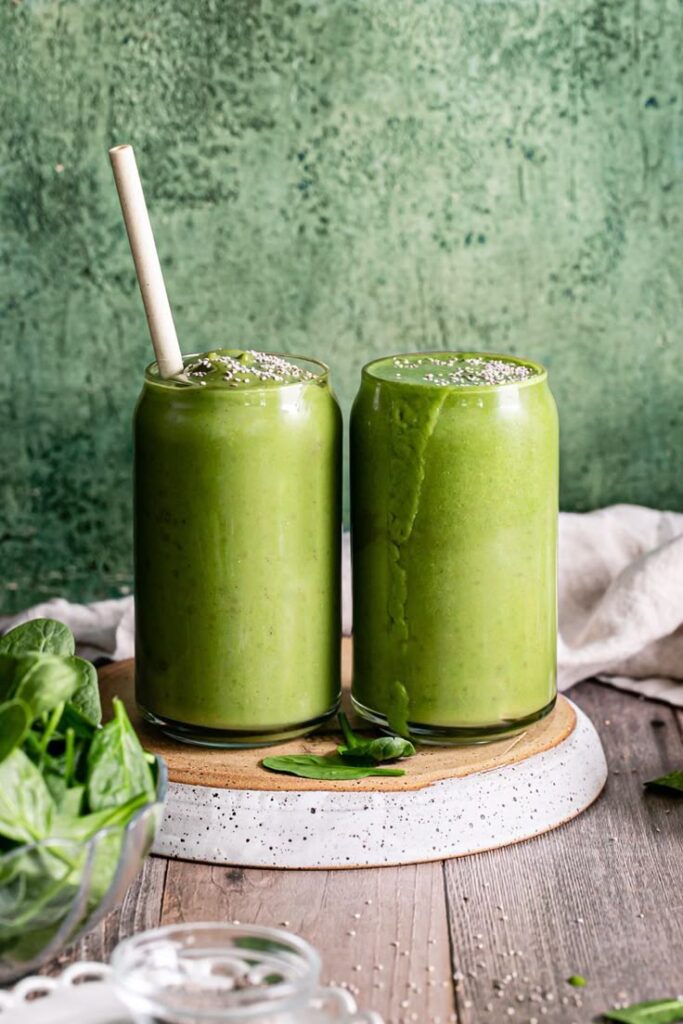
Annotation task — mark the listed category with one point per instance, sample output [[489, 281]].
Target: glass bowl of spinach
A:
[[80, 803]]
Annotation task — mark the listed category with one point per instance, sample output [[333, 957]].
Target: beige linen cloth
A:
[[620, 603]]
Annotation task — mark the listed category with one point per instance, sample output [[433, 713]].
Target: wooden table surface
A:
[[489, 938]]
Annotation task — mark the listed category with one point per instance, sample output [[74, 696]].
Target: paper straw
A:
[[147, 267]]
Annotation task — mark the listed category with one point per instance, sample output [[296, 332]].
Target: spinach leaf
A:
[[38, 636], [63, 778], [38, 886], [117, 766], [671, 783], [71, 802], [357, 750], [329, 767], [61, 769], [86, 697], [15, 721], [26, 807], [44, 681], [105, 865], [74, 719], [66, 826], [655, 1011]]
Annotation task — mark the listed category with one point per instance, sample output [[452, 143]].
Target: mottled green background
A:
[[342, 178]]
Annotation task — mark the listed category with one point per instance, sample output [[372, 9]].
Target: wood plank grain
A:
[[382, 933], [140, 909], [601, 896]]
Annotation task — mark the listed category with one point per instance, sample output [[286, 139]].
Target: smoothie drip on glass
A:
[[237, 548], [454, 507]]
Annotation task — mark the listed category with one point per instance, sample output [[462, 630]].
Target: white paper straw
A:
[[147, 267]]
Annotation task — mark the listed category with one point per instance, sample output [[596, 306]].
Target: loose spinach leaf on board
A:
[[15, 721], [117, 766], [329, 767], [361, 751], [655, 1011], [86, 697], [671, 783], [26, 807], [45, 636]]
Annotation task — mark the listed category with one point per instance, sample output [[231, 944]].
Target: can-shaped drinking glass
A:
[[454, 491], [237, 549]]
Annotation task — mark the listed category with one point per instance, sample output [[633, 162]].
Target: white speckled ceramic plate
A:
[[333, 828]]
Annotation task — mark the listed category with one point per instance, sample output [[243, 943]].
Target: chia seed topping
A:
[[449, 370], [238, 369]]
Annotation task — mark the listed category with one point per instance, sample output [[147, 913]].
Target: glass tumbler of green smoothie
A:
[[454, 492], [237, 548]]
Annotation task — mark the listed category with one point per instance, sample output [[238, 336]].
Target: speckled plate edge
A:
[[328, 829]]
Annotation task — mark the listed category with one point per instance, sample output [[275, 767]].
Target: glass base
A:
[[456, 736], [199, 736]]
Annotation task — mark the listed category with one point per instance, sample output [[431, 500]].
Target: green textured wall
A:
[[341, 178]]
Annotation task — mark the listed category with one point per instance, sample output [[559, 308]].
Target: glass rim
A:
[[151, 374], [287, 993], [540, 373]]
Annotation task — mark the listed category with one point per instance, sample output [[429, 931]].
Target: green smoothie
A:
[[237, 548], [454, 490]]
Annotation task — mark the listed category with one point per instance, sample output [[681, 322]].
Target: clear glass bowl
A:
[[53, 891], [215, 973]]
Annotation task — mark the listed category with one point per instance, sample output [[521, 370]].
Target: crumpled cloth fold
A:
[[620, 604]]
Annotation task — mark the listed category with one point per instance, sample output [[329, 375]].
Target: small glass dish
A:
[[214, 972], [53, 891]]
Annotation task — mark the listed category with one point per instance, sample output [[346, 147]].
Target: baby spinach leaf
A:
[[74, 719], [55, 783], [71, 802], [655, 1011], [117, 766], [44, 681], [671, 783], [38, 889], [62, 779], [79, 829], [15, 721], [26, 807], [329, 767], [361, 751], [38, 636], [105, 864], [86, 696]]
